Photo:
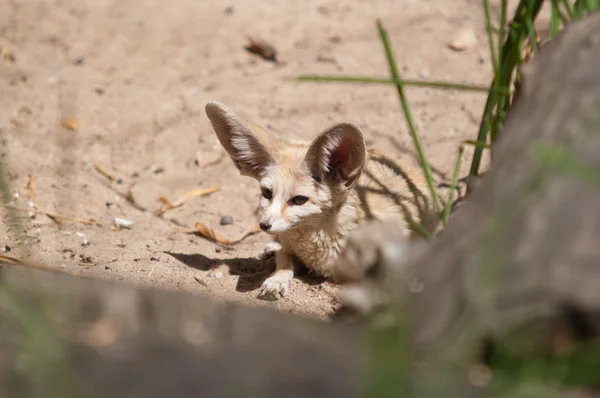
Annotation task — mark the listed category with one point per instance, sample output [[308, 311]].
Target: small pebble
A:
[[85, 242], [218, 274], [226, 220], [464, 39], [154, 259], [7, 248], [123, 223]]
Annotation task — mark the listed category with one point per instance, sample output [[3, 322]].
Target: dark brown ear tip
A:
[[350, 125], [213, 108], [210, 108], [353, 127]]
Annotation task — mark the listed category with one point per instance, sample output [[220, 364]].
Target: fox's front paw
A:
[[269, 250], [276, 286]]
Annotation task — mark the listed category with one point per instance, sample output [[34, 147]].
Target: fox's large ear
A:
[[248, 153], [338, 155]]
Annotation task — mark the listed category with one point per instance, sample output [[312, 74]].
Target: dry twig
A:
[[209, 234], [58, 218], [31, 187], [104, 172], [167, 205]]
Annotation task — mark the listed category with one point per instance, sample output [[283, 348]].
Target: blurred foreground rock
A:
[[517, 271]]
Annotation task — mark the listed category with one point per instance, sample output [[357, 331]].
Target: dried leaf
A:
[[194, 194], [262, 48], [8, 260], [529, 48], [104, 172], [129, 198], [30, 187], [167, 205], [17, 123], [163, 199], [6, 54], [70, 123], [209, 234], [200, 281], [58, 218]]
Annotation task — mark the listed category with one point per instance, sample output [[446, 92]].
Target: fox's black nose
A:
[[265, 226]]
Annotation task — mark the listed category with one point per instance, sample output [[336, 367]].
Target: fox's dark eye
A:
[[267, 193], [299, 200]]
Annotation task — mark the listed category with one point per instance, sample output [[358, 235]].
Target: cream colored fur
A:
[[315, 193]]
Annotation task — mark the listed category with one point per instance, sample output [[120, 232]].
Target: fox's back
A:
[[393, 187]]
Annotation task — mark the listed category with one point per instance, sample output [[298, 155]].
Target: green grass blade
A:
[[454, 180], [408, 116], [501, 33], [510, 57], [530, 28], [453, 184], [482, 134], [569, 8], [418, 228], [405, 82], [578, 9], [584, 7], [555, 16], [488, 25]]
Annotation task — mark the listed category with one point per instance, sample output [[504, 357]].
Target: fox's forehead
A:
[[287, 180], [291, 155]]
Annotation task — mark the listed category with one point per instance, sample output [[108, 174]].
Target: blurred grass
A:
[[39, 366]]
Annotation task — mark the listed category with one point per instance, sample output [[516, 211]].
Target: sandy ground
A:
[[132, 78]]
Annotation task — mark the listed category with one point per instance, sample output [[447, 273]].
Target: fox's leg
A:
[[278, 284], [269, 250]]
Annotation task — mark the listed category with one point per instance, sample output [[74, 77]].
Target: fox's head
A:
[[300, 184]]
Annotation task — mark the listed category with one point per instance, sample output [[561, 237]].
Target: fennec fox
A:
[[314, 194]]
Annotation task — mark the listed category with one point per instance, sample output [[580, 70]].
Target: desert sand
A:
[[122, 85]]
